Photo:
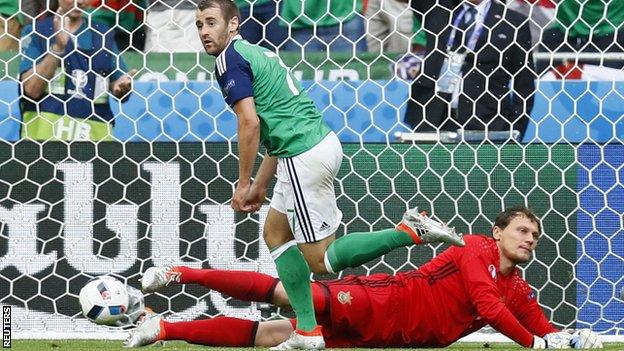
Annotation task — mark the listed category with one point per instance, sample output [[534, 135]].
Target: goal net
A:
[[155, 187]]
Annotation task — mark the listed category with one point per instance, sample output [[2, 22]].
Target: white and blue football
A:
[[104, 300]]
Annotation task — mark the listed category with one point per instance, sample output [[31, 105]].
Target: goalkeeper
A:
[[456, 293]]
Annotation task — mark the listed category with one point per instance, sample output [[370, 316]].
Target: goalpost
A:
[[159, 192]]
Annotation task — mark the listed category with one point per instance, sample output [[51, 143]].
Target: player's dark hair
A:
[[228, 8], [504, 218]]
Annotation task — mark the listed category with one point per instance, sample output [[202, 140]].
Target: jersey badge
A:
[[344, 297], [492, 270], [230, 83], [531, 295]]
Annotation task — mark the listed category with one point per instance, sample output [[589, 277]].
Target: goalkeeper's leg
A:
[[228, 331], [219, 331], [241, 285]]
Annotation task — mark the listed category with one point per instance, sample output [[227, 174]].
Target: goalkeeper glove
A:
[[585, 339], [558, 340]]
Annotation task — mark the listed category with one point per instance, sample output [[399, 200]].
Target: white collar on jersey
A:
[[236, 37], [220, 60]]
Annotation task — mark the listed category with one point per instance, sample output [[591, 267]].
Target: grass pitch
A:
[[106, 345]]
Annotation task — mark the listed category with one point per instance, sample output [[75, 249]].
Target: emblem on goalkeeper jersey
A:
[[344, 297], [492, 270]]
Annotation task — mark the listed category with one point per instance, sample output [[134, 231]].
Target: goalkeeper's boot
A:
[[156, 278], [425, 230], [302, 340], [147, 333]]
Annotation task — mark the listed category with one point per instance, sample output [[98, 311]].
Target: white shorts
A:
[[305, 190]]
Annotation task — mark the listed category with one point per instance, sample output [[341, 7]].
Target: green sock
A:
[[353, 250], [294, 273]]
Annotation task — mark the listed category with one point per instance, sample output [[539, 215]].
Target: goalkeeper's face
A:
[[518, 239], [215, 31]]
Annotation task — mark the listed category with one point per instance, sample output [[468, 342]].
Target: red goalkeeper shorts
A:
[[361, 311]]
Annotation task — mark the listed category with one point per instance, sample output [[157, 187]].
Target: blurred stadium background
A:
[[158, 191]]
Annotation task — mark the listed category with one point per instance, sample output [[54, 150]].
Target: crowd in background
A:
[[362, 25], [424, 38]]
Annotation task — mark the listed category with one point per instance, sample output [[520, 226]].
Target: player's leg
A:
[[294, 273], [292, 267], [219, 331], [314, 253], [241, 285], [308, 188], [316, 216], [401, 20], [320, 298], [416, 228], [352, 250], [285, 217], [272, 333]]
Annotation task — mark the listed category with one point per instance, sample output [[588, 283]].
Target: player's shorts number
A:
[[289, 79]]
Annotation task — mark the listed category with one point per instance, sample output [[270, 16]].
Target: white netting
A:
[[155, 188]]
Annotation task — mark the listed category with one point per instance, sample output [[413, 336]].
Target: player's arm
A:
[[248, 138], [248, 144], [529, 312], [257, 192], [486, 298], [531, 316], [266, 172], [121, 78], [38, 64], [236, 82], [123, 85], [35, 79]]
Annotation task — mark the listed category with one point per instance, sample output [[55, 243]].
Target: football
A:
[[104, 300]]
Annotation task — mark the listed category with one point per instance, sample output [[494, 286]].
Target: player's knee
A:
[[280, 298], [272, 333], [317, 265], [274, 238], [315, 254]]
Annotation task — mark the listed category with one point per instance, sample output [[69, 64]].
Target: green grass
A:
[[97, 345]]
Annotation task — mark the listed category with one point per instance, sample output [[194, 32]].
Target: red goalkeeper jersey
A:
[[456, 293]]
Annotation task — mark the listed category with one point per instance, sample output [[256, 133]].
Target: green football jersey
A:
[[585, 17], [246, 3], [8, 8], [304, 14], [290, 123]]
